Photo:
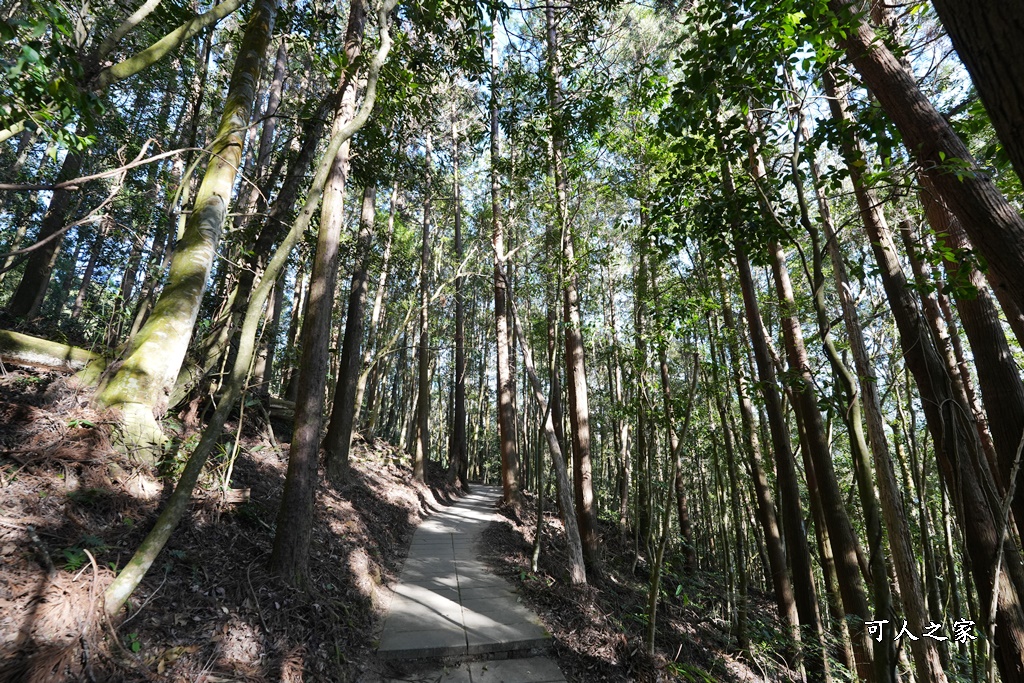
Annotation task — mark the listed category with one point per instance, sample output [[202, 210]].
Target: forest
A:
[[722, 295]]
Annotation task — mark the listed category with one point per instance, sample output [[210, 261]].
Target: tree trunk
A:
[[577, 567], [258, 186], [789, 487], [576, 377], [267, 352], [421, 453], [736, 505], [986, 35], [506, 412], [644, 523], [22, 349], [621, 423], [836, 518], [1002, 391], [883, 655], [118, 592], [926, 655], [292, 538], [785, 598], [28, 296], [31, 291], [654, 584], [458, 454], [90, 269], [682, 507], [290, 375], [339, 431], [957, 448], [370, 375], [995, 227], [143, 383], [947, 343]]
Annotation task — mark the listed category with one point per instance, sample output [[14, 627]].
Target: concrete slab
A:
[[436, 642], [422, 561], [495, 593], [471, 564], [445, 549], [506, 614], [449, 603], [398, 623], [506, 638], [430, 568], [427, 595], [431, 581], [531, 670], [469, 569], [481, 581]]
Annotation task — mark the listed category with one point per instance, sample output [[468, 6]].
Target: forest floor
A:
[[72, 511], [598, 629]]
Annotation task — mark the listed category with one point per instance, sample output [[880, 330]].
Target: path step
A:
[[449, 604], [532, 670]]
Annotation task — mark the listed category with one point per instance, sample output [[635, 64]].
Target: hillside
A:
[[72, 509]]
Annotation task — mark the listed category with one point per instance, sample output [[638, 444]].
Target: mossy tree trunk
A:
[[142, 385], [31, 290]]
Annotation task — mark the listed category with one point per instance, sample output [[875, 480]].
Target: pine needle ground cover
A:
[[72, 509]]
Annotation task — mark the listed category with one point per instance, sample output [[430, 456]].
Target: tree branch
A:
[[161, 48]]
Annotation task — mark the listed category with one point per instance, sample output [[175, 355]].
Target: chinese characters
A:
[[963, 631]]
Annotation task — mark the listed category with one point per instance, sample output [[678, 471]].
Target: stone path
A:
[[449, 604]]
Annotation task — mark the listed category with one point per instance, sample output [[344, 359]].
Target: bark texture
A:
[[343, 410], [994, 226], [987, 36]]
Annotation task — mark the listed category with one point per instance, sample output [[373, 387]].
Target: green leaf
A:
[[29, 54]]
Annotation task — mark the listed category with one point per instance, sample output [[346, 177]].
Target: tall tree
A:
[[343, 410], [789, 489], [576, 373], [785, 599], [957, 448], [421, 448], [837, 520], [292, 539], [675, 446], [995, 227], [459, 456], [143, 382], [506, 411], [1002, 391]]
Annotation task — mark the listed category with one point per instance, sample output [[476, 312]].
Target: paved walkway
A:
[[449, 604]]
